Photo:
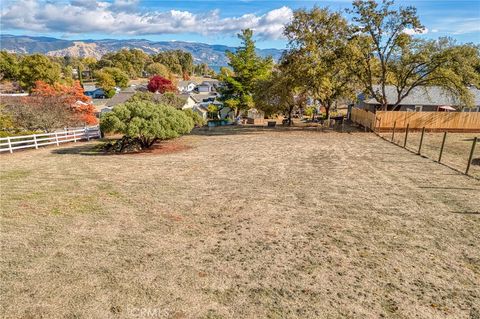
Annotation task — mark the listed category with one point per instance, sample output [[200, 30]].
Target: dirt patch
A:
[[164, 147]]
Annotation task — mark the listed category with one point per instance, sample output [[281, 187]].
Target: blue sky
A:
[[214, 22]]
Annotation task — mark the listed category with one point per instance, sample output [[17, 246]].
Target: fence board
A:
[[363, 117], [9, 144], [434, 121]]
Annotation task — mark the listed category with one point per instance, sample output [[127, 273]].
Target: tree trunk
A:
[[290, 110], [327, 109]]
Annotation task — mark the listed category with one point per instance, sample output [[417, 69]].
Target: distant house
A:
[[199, 103], [189, 102], [207, 86], [420, 99], [94, 92], [186, 86]]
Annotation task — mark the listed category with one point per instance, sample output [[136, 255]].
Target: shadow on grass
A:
[[251, 130], [467, 213], [454, 188], [87, 150]]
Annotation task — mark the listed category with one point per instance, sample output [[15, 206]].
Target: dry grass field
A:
[[455, 153], [239, 224]]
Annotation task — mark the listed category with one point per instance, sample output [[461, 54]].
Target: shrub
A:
[[168, 98], [143, 123], [197, 118], [160, 84]]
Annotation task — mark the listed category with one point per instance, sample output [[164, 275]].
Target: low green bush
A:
[[197, 118], [143, 123]]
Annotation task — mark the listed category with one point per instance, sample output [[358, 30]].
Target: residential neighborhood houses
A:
[[421, 99]]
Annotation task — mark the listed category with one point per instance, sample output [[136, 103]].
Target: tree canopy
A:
[[145, 122], [248, 68], [383, 52], [161, 85], [37, 67], [318, 55]]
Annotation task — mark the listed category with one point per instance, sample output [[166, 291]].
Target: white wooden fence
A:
[[11, 143]]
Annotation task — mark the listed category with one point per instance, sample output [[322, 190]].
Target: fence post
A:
[[87, 133], [421, 142], [406, 136], [441, 148], [9, 144], [56, 138], [74, 137], [35, 141], [471, 155], [393, 132]]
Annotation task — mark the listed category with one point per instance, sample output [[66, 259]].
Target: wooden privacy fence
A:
[[431, 121], [11, 143], [363, 117]]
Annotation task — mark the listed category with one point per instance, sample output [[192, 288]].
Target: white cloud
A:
[[413, 31], [120, 17]]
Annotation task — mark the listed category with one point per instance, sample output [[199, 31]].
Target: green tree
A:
[[106, 81], [37, 67], [248, 68], [130, 61], [167, 98], [9, 66], [384, 54], [380, 31], [422, 63], [319, 42], [145, 123], [280, 93], [158, 69], [121, 78], [197, 118]]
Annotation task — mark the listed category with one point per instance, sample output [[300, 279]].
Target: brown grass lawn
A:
[[455, 152], [239, 224]]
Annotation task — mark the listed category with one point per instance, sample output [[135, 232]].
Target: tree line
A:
[[329, 59], [114, 69]]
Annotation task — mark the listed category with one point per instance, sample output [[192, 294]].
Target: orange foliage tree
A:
[[71, 97]]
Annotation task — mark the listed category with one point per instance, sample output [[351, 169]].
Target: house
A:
[[207, 86], [420, 99], [199, 103], [95, 93], [189, 102], [186, 86]]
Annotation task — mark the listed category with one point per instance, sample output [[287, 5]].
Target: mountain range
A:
[[213, 55]]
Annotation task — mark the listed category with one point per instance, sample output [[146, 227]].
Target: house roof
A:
[[119, 98], [185, 83], [433, 95], [201, 96]]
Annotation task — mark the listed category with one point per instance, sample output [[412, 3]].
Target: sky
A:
[[213, 22]]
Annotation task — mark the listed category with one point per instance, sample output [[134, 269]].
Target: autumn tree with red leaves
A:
[[53, 106], [161, 85], [71, 97]]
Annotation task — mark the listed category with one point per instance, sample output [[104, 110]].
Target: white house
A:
[[189, 103], [186, 86]]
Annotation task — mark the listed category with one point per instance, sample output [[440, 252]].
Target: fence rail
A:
[[12, 143]]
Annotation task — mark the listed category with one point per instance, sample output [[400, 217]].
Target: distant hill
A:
[[213, 55]]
